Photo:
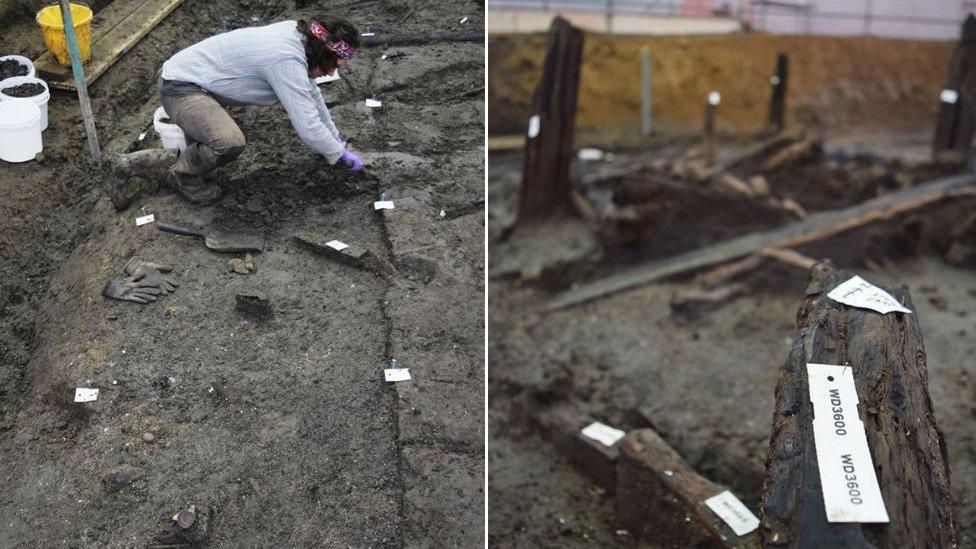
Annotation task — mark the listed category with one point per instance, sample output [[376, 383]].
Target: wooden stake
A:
[[777, 101], [79, 73], [955, 126]]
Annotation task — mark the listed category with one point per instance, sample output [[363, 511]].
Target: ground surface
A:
[[705, 384], [833, 82], [282, 428]]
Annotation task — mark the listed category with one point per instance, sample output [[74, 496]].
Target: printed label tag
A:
[[86, 395], [604, 434], [140, 221], [949, 96], [533, 126], [372, 103], [858, 292], [336, 245], [397, 374], [728, 508], [850, 487], [383, 205]]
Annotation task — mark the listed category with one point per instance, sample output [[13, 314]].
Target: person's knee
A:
[[229, 146]]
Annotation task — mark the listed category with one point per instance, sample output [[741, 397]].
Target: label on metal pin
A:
[[372, 103], [86, 395], [604, 434], [140, 221], [383, 205], [396, 374], [337, 245]]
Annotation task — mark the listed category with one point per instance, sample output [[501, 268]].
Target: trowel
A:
[[218, 241]]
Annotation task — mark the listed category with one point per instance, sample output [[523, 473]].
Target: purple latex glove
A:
[[350, 161]]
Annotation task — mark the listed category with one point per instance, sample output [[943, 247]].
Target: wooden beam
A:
[[549, 147], [777, 101], [908, 450], [123, 23], [816, 227]]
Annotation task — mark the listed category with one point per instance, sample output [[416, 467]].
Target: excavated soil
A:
[[24, 90], [704, 380], [11, 67], [833, 82], [280, 430]]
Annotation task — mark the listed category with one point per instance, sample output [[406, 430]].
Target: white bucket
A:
[[170, 134], [20, 130], [23, 61], [40, 100]]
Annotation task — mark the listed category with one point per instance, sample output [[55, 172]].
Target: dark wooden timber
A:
[[545, 175], [402, 39], [777, 102], [957, 121], [814, 228], [660, 499], [907, 447]]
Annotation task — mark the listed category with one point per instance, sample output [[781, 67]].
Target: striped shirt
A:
[[261, 66]]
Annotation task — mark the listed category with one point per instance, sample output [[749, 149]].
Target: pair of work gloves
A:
[[348, 159], [146, 281]]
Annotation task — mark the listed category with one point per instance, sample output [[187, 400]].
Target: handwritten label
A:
[[383, 205], [397, 374], [140, 221], [850, 487], [728, 508], [86, 395], [948, 96], [372, 103], [337, 245], [604, 434], [858, 292], [533, 126]]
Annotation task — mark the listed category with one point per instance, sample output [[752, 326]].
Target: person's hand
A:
[[350, 161], [152, 273]]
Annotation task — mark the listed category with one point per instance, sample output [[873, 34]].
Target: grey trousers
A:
[[212, 137]]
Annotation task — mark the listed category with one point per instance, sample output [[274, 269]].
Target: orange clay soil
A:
[[833, 82]]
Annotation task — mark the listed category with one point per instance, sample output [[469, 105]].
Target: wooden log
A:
[[777, 101], [660, 499], [548, 149], [812, 229], [908, 450], [955, 125], [402, 39]]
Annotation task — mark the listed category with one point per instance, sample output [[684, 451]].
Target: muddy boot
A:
[[150, 163], [194, 188]]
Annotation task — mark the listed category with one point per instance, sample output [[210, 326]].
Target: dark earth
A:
[[281, 431], [29, 89], [11, 67]]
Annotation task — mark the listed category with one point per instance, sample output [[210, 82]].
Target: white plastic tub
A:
[[20, 130], [23, 61], [170, 134], [40, 100]]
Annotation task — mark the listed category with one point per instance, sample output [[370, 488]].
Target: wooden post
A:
[[777, 101], [79, 74], [549, 143], [955, 127], [708, 131], [646, 106], [907, 447]]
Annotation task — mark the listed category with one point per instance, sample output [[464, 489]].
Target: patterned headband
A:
[[338, 47]]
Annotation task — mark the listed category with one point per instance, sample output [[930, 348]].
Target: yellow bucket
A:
[[52, 26]]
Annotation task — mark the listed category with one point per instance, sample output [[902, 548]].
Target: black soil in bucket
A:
[[11, 67], [29, 89]]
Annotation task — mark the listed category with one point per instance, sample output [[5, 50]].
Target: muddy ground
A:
[[705, 383], [281, 430]]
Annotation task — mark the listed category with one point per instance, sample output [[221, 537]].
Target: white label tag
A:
[[728, 508], [368, 34], [949, 96], [86, 395], [397, 374], [714, 98], [140, 221], [774, 80], [850, 487], [383, 205], [464, 20], [336, 245], [142, 136], [533, 126], [372, 103], [588, 153], [858, 292], [328, 77], [604, 434]]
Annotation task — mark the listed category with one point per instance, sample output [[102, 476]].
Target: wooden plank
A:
[[506, 142], [816, 227], [887, 358], [122, 29]]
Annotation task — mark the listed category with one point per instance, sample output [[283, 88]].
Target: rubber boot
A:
[[150, 163], [194, 188]]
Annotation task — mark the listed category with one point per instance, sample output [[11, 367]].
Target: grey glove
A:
[[152, 274], [129, 289]]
